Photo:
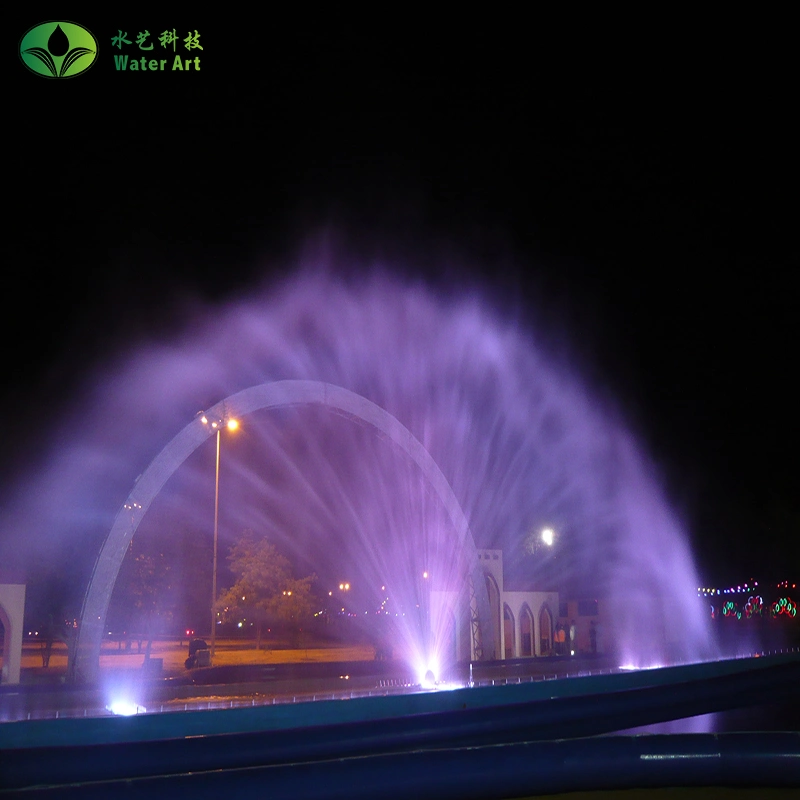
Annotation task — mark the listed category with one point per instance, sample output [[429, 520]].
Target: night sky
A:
[[637, 205]]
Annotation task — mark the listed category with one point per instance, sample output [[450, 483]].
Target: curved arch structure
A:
[[267, 395]]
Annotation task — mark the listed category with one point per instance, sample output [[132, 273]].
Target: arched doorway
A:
[[508, 633], [525, 632], [264, 396], [494, 616], [545, 632]]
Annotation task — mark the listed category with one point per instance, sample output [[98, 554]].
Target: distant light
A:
[[240, 625], [347, 587], [214, 425], [204, 419], [233, 424], [424, 574], [547, 536], [341, 586]]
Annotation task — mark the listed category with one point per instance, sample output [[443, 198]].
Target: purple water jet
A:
[[520, 438]]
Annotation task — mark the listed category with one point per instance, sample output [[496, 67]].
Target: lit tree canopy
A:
[[265, 588]]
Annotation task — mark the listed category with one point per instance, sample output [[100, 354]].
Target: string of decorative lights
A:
[[741, 589]]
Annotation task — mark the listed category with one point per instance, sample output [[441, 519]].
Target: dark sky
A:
[[641, 201]]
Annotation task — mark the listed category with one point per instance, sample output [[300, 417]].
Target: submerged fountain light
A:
[[427, 673], [125, 708]]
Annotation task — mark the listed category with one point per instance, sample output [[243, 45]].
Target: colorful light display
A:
[[730, 609], [784, 606], [754, 606]]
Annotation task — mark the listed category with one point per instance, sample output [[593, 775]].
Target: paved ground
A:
[[173, 654]]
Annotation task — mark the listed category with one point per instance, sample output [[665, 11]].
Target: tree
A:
[[265, 589], [192, 562], [49, 606], [144, 596], [295, 605]]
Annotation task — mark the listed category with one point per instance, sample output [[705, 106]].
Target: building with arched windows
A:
[[523, 622]]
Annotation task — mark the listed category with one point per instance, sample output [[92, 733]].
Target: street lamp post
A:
[[232, 425], [214, 567]]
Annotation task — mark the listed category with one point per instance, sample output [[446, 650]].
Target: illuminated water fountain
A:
[[522, 443]]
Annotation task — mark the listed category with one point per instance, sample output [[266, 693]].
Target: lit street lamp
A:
[[537, 541], [232, 425]]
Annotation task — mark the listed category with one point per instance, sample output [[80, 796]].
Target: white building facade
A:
[[523, 623]]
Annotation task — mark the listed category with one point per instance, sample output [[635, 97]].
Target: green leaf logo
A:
[[58, 49]]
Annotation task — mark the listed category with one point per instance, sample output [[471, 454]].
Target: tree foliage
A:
[[49, 610], [144, 601], [265, 590]]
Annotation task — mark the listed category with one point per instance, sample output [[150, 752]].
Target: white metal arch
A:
[[267, 395]]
